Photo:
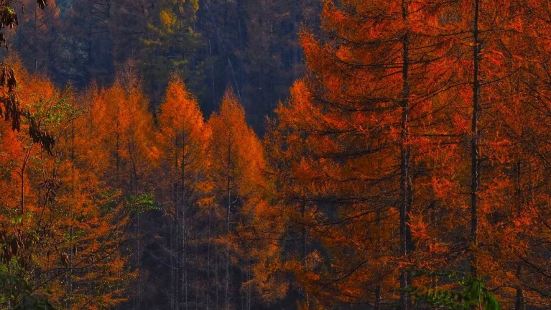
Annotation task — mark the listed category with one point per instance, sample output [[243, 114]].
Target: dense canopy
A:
[[255, 154]]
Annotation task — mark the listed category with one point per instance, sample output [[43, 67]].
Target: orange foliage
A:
[[413, 142], [68, 238]]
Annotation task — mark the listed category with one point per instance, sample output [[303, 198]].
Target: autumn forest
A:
[[275, 154]]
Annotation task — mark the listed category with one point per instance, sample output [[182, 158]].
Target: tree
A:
[[183, 138], [58, 232], [11, 111], [120, 127], [236, 173], [508, 209], [491, 41], [370, 107], [170, 45], [36, 38]]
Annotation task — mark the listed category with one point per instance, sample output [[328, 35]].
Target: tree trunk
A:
[[475, 157], [304, 250], [228, 216], [377, 305], [519, 298], [405, 178], [378, 295], [183, 271]]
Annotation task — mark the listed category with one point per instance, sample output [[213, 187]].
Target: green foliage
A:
[[141, 203], [15, 292], [108, 200], [466, 292], [11, 282], [170, 45], [30, 302], [133, 204], [55, 112]]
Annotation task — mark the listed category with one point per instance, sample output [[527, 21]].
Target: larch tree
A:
[[488, 62], [514, 150], [236, 173], [376, 77], [120, 127], [58, 236], [183, 139]]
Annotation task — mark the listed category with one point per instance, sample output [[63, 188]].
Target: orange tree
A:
[[183, 191], [10, 108], [60, 231], [236, 167]]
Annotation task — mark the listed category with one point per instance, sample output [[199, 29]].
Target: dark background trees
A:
[[249, 45]]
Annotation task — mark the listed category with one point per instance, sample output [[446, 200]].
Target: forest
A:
[[275, 154]]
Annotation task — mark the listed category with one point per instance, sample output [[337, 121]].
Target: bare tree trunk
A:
[[519, 298], [172, 265], [249, 288], [228, 218], [174, 239], [378, 298], [22, 180], [304, 250], [138, 254], [183, 228], [475, 157], [228, 215], [196, 279], [70, 255], [216, 277], [209, 277], [405, 178]]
